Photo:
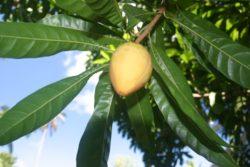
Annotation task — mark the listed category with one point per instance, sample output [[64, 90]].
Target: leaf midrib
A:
[[50, 100], [196, 33], [173, 80], [84, 31], [157, 87], [52, 40], [188, 102]]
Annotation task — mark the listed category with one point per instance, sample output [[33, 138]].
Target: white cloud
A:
[[75, 63], [19, 163], [124, 161], [94, 79], [83, 103]]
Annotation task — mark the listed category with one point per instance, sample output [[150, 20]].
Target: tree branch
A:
[[151, 25]]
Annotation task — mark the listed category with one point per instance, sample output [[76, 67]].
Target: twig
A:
[[151, 25]]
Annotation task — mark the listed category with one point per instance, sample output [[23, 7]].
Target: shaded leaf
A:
[[157, 36], [177, 85], [108, 9], [230, 58], [62, 20], [78, 7], [199, 56], [93, 30], [136, 15], [218, 156], [26, 40], [184, 4], [95, 143], [42, 106], [141, 117]]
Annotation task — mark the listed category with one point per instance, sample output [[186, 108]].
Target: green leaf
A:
[[184, 4], [93, 30], [157, 36], [141, 117], [42, 106], [78, 7], [136, 15], [199, 56], [108, 9], [26, 40], [177, 85], [62, 20], [217, 156], [230, 58], [95, 143], [196, 52]]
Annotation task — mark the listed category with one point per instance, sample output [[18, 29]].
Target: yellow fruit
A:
[[130, 68]]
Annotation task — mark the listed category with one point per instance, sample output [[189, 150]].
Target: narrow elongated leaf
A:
[[218, 156], [78, 7], [177, 85], [62, 20], [95, 31], [26, 40], [141, 117], [230, 58], [95, 143], [42, 106], [108, 9]]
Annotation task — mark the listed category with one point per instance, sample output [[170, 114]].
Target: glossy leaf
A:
[[217, 156], [30, 40], [196, 52], [42, 106], [78, 7], [95, 143], [108, 9], [141, 117], [230, 58], [177, 85], [62, 20], [95, 31]]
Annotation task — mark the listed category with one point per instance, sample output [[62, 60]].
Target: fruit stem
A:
[[151, 25]]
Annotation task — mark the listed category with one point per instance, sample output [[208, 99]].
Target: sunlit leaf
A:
[[177, 85], [96, 31], [78, 7], [26, 40], [42, 106], [230, 58], [108, 9]]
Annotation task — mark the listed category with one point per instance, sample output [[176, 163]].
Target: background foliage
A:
[[225, 104]]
